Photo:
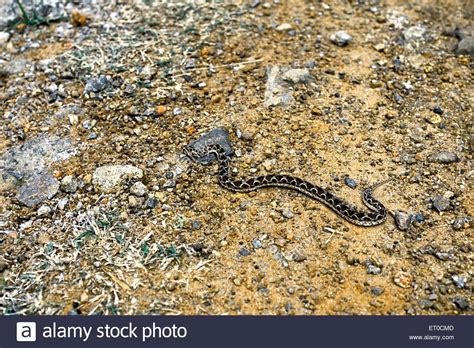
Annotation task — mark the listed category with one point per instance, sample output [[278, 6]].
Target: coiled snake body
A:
[[376, 215]]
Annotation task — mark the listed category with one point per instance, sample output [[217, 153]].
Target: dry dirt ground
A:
[[395, 102]]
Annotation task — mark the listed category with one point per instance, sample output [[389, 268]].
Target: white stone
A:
[[284, 27], [4, 36], [43, 210], [109, 178], [341, 38], [138, 189], [297, 75]]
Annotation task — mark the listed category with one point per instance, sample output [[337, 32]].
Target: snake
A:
[[376, 214]]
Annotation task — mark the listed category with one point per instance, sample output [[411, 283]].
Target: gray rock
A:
[[425, 303], [196, 224], [441, 203], [341, 38], [466, 46], [402, 220], [276, 93], [461, 303], [244, 252], [27, 165], [133, 202], [414, 33], [151, 203], [138, 189], [190, 63], [14, 67], [462, 222], [169, 183], [257, 244], [377, 291], [109, 178], [287, 213], [216, 136], [350, 182], [297, 76], [62, 203], [37, 188], [371, 269], [49, 10], [69, 184], [444, 157], [96, 84], [459, 281], [43, 210], [298, 257]]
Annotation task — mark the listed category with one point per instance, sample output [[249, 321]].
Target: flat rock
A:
[[297, 76], [216, 136], [38, 188], [110, 177], [14, 67], [27, 166], [414, 33], [444, 157]]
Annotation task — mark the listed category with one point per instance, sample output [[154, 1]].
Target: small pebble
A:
[[257, 244], [461, 303], [287, 213], [371, 269], [198, 247], [458, 281], [462, 222], [441, 203], [244, 252], [160, 110], [62, 203], [377, 291], [284, 27], [438, 110], [341, 38], [43, 210], [69, 184], [138, 189], [151, 203], [298, 257], [196, 224], [350, 182], [425, 303]]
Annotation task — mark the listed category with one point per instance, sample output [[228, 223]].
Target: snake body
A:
[[376, 215]]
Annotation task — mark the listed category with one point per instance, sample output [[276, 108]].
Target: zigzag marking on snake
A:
[[376, 215]]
